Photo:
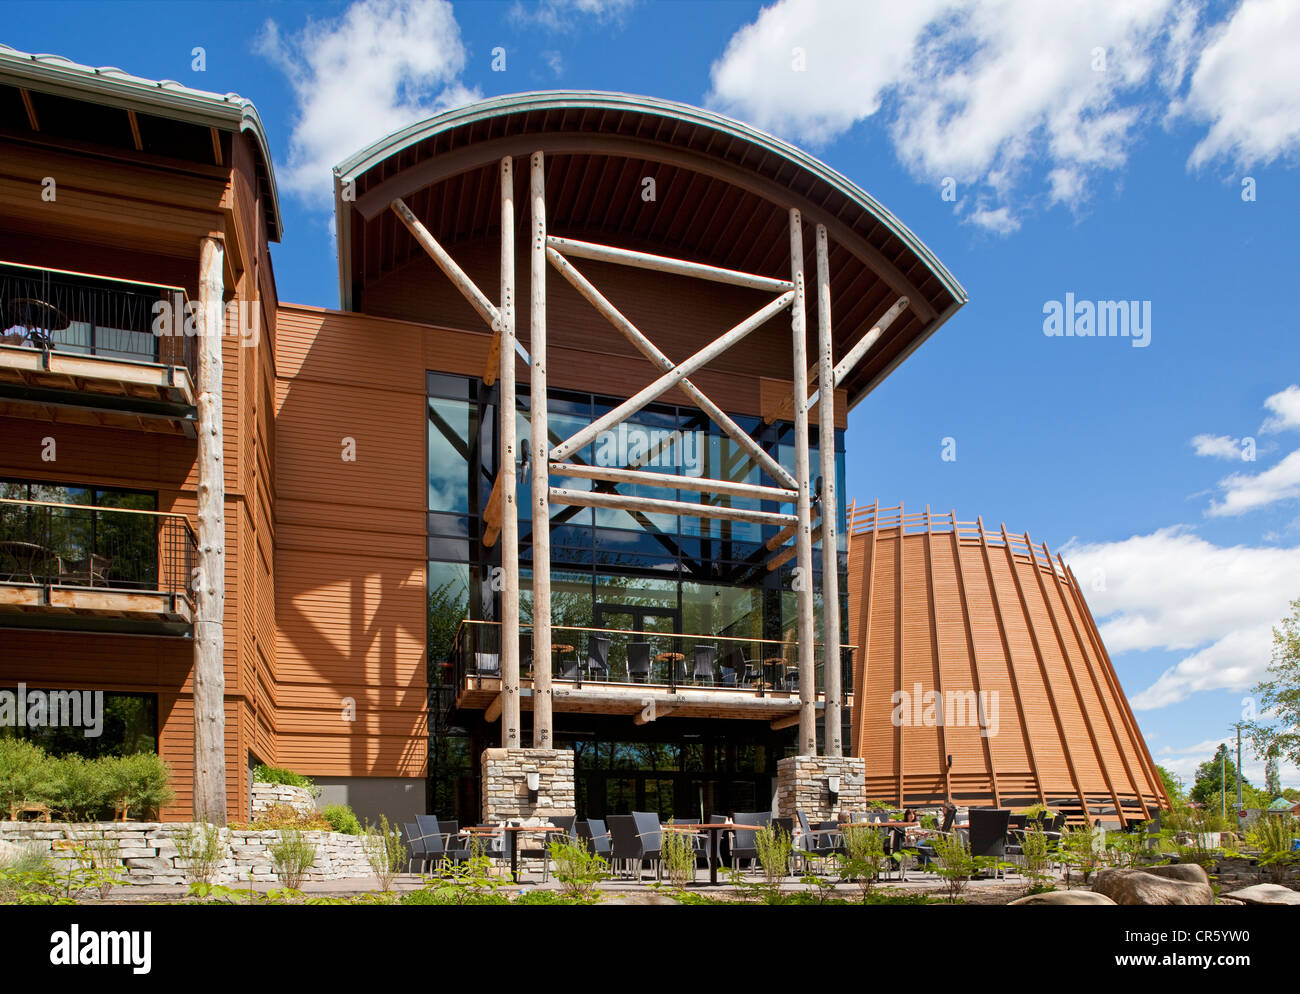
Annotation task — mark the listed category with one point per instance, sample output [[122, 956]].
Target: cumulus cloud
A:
[[1217, 446], [1244, 492], [1246, 85], [1175, 591], [378, 67], [1285, 405]]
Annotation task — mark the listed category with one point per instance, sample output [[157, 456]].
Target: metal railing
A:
[[758, 666], [49, 544], [85, 314]]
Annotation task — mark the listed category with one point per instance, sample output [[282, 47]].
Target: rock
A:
[[1139, 887], [1228, 900], [1066, 897], [9, 852], [1265, 894], [1192, 873], [639, 899], [151, 865]]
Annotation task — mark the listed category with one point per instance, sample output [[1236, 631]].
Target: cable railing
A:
[[83, 314], [75, 545], [586, 656]]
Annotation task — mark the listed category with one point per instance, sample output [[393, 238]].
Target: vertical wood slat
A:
[[975, 665], [934, 639]]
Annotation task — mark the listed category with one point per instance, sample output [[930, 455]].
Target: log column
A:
[[210, 581], [510, 718], [830, 501], [543, 723], [804, 573]]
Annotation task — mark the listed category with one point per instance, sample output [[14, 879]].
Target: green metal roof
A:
[[366, 159]]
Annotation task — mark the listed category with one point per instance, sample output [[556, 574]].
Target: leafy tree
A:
[[1278, 727], [1173, 787], [1272, 777], [1209, 779]]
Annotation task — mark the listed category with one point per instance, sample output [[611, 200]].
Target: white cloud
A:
[[1244, 492], [563, 15], [1247, 86], [975, 91], [1183, 761], [1173, 590], [1217, 446], [378, 67], [1285, 405]]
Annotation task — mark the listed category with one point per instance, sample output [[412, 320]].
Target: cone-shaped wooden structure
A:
[[981, 676]]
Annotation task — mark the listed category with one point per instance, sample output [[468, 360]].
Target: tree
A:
[[1173, 787], [1210, 778], [1272, 777], [1278, 726]]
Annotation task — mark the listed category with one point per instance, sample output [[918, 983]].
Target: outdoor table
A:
[[514, 842], [717, 828], [670, 657]]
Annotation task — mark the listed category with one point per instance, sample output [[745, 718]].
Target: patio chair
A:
[[487, 664], [91, 571], [743, 842], [649, 833], [455, 847], [625, 846], [817, 843], [730, 667], [417, 849], [699, 841], [568, 667], [703, 668], [598, 657], [525, 652], [988, 833], [638, 662], [435, 836], [598, 837]]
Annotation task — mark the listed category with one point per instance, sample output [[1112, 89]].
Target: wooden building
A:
[[981, 675], [384, 618]]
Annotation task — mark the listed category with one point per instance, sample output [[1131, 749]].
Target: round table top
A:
[[665, 657], [774, 660], [561, 647]]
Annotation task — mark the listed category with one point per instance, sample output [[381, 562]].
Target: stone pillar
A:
[[505, 784], [802, 785]]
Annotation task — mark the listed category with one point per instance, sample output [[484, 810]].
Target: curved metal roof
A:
[[384, 149]]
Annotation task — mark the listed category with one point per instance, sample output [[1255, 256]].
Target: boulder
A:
[[1066, 897], [1265, 894], [1193, 873], [1140, 887]]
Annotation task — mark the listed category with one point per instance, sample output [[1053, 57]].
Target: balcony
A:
[[644, 675], [86, 568], [78, 348]]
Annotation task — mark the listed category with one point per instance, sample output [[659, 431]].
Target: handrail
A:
[[633, 631], [97, 276]]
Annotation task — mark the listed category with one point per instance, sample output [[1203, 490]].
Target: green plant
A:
[[100, 857], [23, 771], [279, 816], [864, 856], [954, 864], [1272, 835], [930, 822], [30, 879], [1080, 849], [385, 852], [774, 847], [342, 819], [677, 854], [279, 775], [578, 869], [292, 857], [1037, 854], [202, 850], [136, 783], [77, 789]]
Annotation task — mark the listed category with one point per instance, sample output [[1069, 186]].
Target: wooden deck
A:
[[37, 603]]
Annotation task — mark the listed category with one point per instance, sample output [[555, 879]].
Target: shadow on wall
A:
[[399, 799]]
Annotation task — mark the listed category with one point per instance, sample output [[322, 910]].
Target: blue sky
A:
[[1096, 149]]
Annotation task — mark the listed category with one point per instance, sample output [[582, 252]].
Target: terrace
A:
[[92, 568], [82, 348], [646, 675]]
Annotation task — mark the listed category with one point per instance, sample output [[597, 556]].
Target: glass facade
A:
[[661, 574]]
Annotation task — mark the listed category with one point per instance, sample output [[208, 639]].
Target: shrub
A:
[[1272, 834], [99, 855], [677, 853], [1037, 856], [578, 869], [202, 850], [864, 856], [137, 783], [279, 775], [774, 846], [279, 816], [292, 857], [955, 864], [342, 819], [23, 769], [385, 852], [77, 789]]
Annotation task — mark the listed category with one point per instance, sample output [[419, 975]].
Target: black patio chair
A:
[[703, 668], [417, 852], [568, 667], [598, 657], [598, 837], [435, 836], [487, 664], [626, 850], [455, 847], [744, 845], [649, 834], [525, 652], [638, 662], [817, 843], [699, 841], [988, 833]]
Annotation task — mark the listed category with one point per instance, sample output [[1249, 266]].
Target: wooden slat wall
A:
[[958, 608]]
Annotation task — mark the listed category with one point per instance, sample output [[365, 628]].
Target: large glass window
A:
[[128, 725]]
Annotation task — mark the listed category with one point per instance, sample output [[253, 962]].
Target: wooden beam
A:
[[671, 378], [807, 745], [656, 710], [790, 551], [30, 107], [209, 677], [652, 505], [493, 363], [788, 721], [540, 444], [511, 733], [699, 483], [492, 514], [831, 637], [459, 279], [647, 348], [784, 409], [664, 264], [216, 147], [493, 711], [135, 130]]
